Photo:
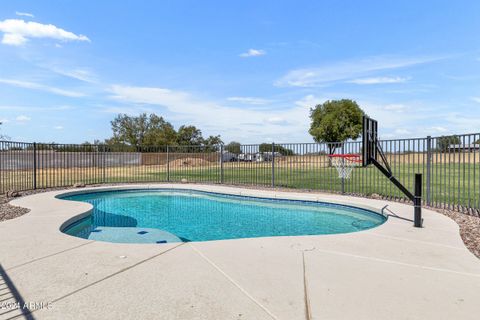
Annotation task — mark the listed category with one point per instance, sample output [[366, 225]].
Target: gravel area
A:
[[469, 224], [469, 229], [8, 211]]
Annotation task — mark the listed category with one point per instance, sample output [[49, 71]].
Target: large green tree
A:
[[192, 136], [152, 130], [142, 130], [336, 121]]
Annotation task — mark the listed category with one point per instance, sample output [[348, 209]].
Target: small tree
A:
[[444, 142], [336, 121], [189, 136], [267, 147], [212, 142], [234, 147]]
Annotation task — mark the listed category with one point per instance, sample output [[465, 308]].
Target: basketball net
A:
[[344, 163]]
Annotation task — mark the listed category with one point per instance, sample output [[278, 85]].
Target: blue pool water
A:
[[159, 216]]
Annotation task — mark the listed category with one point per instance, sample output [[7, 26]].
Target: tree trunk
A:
[[331, 150]]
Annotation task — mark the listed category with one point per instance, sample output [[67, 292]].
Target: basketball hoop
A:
[[344, 163]]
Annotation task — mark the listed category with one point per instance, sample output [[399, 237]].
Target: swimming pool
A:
[[169, 215]]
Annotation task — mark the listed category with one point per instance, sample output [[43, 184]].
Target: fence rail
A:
[[450, 167]]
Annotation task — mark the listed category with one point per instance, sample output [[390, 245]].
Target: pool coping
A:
[[77, 219], [227, 190], [72, 211], [34, 244]]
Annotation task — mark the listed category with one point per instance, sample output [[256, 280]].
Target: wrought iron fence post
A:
[[343, 164], [429, 170], [221, 165], [104, 164], [168, 164], [34, 165], [273, 165]]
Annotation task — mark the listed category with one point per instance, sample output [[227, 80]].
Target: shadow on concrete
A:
[[11, 301], [393, 214]]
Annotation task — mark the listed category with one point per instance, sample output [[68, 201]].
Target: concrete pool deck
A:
[[393, 271]]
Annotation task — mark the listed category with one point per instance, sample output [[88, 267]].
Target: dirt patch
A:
[[189, 162]]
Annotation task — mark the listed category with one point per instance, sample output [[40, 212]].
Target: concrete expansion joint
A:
[[339, 253], [236, 284], [308, 310], [115, 273], [49, 255]]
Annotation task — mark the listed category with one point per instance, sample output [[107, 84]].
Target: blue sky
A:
[[247, 70]]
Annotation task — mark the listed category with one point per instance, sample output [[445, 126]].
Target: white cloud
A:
[[58, 128], [347, 70], [310, 101], [389, 122], [276, 121], [41, 87], [244, 124], [35, 109], [24, 14], [84, 75], [476, 99], [396, 107], [130, 110], [458, 122], [250, 100], [402, 132], [438, 129], [379, 80], [421, 119], [13, 39], [253, 53], [22, 118], [17, 32]]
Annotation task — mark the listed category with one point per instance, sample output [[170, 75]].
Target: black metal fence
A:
[[450, 167]]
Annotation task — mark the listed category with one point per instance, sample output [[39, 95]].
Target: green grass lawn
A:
[[448, 184]]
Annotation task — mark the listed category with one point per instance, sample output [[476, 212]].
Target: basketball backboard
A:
[[369, 140]]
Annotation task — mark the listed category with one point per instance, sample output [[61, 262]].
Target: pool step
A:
[[132, 235]]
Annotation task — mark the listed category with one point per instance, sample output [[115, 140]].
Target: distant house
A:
[[258, 156], [229, 156], [267, 156], [246, 157], [464, 147]]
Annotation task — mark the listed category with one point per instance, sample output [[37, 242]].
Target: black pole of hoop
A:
[[343, 164]]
